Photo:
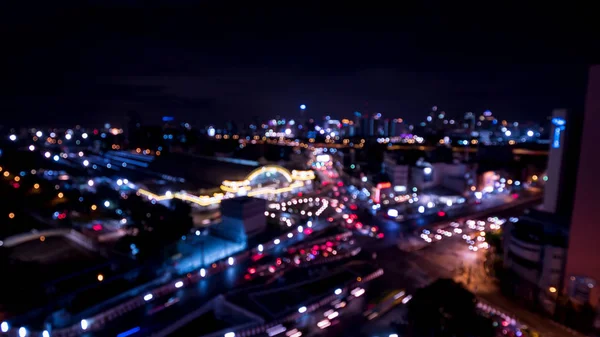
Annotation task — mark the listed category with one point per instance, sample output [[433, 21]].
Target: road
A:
[[451, 258]]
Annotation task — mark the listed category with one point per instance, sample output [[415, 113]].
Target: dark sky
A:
[[91, 64]]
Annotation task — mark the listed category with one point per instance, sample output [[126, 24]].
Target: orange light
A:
[[11, 215], [100, 277], [36, 186], [17, 178], [60, 195], [384, 185], [42, 238]]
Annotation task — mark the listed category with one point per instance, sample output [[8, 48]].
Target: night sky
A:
[[207, 65]]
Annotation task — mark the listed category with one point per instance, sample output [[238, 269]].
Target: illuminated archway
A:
[[270, 169]]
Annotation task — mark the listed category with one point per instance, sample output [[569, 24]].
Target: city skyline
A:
[[62, 76]]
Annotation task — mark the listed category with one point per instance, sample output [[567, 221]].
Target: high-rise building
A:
[[582, 276], [558, 192]]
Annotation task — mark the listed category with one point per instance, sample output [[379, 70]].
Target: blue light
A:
[[129, 332], [559, 121], [302, 106], [556, 140]]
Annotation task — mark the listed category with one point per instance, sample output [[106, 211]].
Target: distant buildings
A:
[[409, 169]]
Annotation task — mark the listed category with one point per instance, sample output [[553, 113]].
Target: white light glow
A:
[[107, 203], [421, 209], [507, 133], [229, 334], [302, 310], [427, 170], [260, 248], [178, 284], [84, 324], [47, 154], [277, 241], [39, 133], [393, 213], [84, 135], [31, 147], [338, 291], [86, 163], [119, 182], [148, 297], [202, 272], [90, 182], [68, 137], [45, 333], [230, 261], [4, 327], [12, 137], [22, 330]]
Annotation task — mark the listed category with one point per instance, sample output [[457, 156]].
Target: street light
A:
[[552, 289], [302, 106]]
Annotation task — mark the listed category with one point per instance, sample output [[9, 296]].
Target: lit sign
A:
[[384, 185], [377, 192], [559, 124], [559, 121], [323, 158]]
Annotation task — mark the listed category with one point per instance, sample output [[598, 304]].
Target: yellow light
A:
[[94, 207], [36, 186], [6, 174], [0, 168], [474, 141], [552, 289], [100, 277], [11, 215], [270, 168], [509, 181], [473, 188], [60, 195], [534, 178], [17, 178]]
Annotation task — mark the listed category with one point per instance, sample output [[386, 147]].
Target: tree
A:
[[445, 308]]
